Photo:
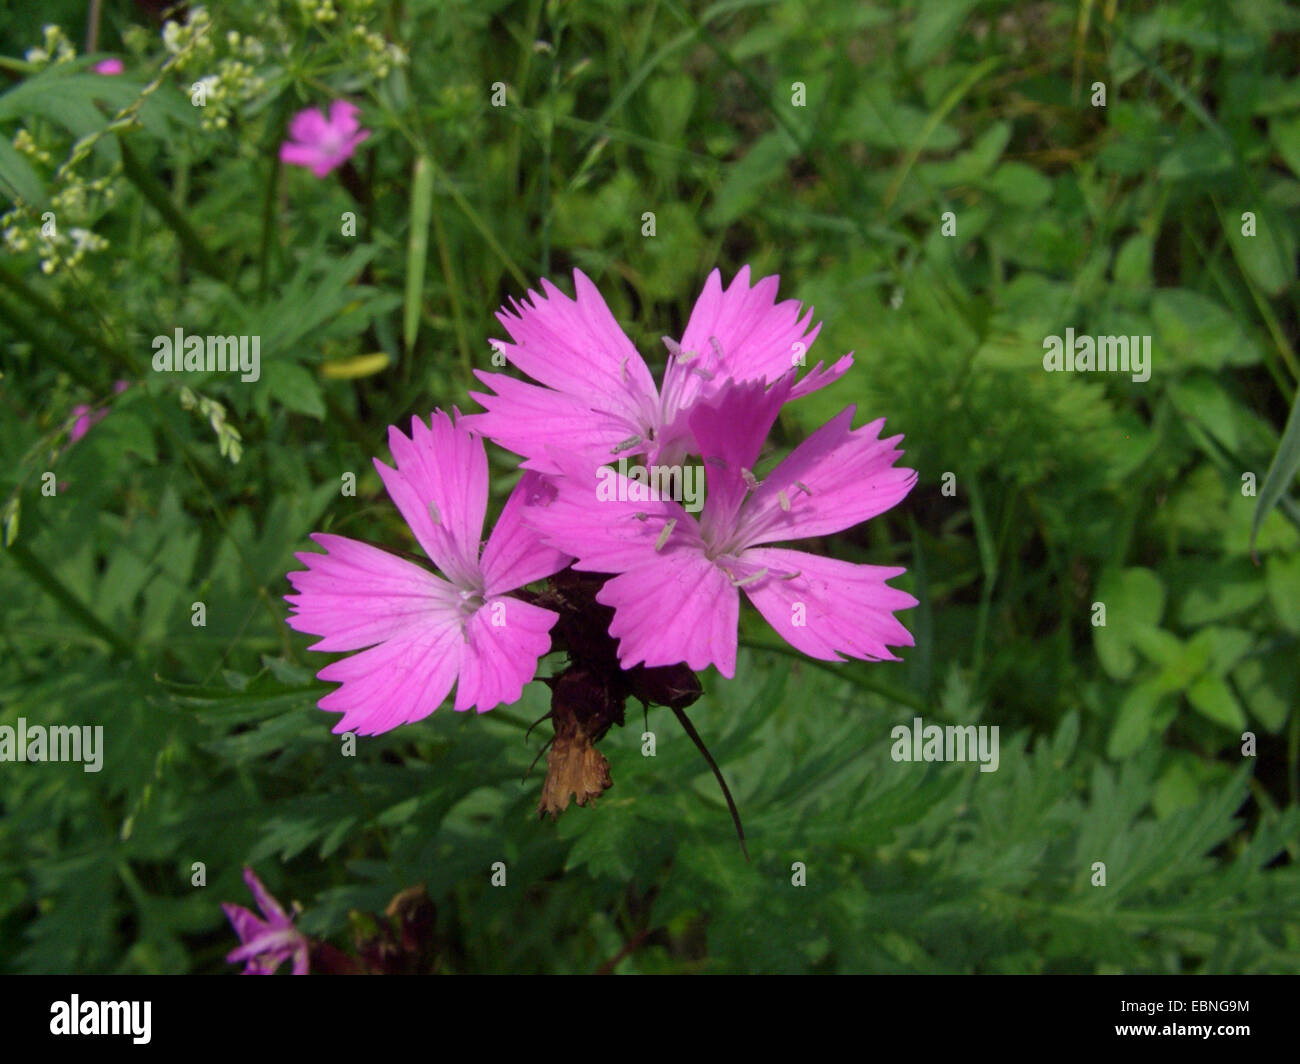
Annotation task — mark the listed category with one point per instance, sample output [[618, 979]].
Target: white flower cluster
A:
[[59, 235], [378, 56], [54, 48]]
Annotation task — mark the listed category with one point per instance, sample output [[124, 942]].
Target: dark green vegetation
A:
[[1120, 744]]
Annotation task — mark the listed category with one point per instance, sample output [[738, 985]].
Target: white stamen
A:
[[784, 500], [626, 445], [748, 477], [750, 579], [803, 487], [665, 533]]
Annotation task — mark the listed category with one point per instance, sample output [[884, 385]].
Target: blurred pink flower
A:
[[595, 394], [321, 143], [86, 418], [265, 944], [425, 632], [676, 597], [109, 66]]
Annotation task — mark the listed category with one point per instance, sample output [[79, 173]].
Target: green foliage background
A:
[[1120, 744]]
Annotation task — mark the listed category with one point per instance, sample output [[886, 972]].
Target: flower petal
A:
[[343, 118], [757, 338], [831, 607], [528, 420], [515, 555], [504, 639], [679, 608], [586, 519], [356, 595], [836, 478], [443, 466], [301, 154], [397, 682], [730, 429], [308, 126], [576, 347], [246, 925], [271, 908]]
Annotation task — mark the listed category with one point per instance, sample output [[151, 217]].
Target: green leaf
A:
[[1283, 583], [1285, 135], [751, 178], [1268, 684], [1216, 591], [1132, 268], [1134, 600], [1211, 696], [1198, 155], [1019, 185], [936, 26], [1135, 719], [1281, 473], [1268, 257], [1195, 330], [293, 386], [417, 249], [17, 178]]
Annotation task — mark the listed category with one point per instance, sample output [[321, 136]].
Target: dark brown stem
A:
[[717, 772], [631, 947]]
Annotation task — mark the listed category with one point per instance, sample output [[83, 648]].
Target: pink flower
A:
[[425, 633], [87, 417], [676, 597], [109, 66], [597, 397], [323, 143], [265, 944]]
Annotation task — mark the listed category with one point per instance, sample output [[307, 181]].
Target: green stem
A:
[[449, 273], [161, 201], [483, 229], [268, 227]]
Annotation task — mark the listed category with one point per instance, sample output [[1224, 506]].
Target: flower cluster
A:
[[671, 579], [54, 48], [52, 235]]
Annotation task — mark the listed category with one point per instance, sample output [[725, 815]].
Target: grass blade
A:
[[417, 249]]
